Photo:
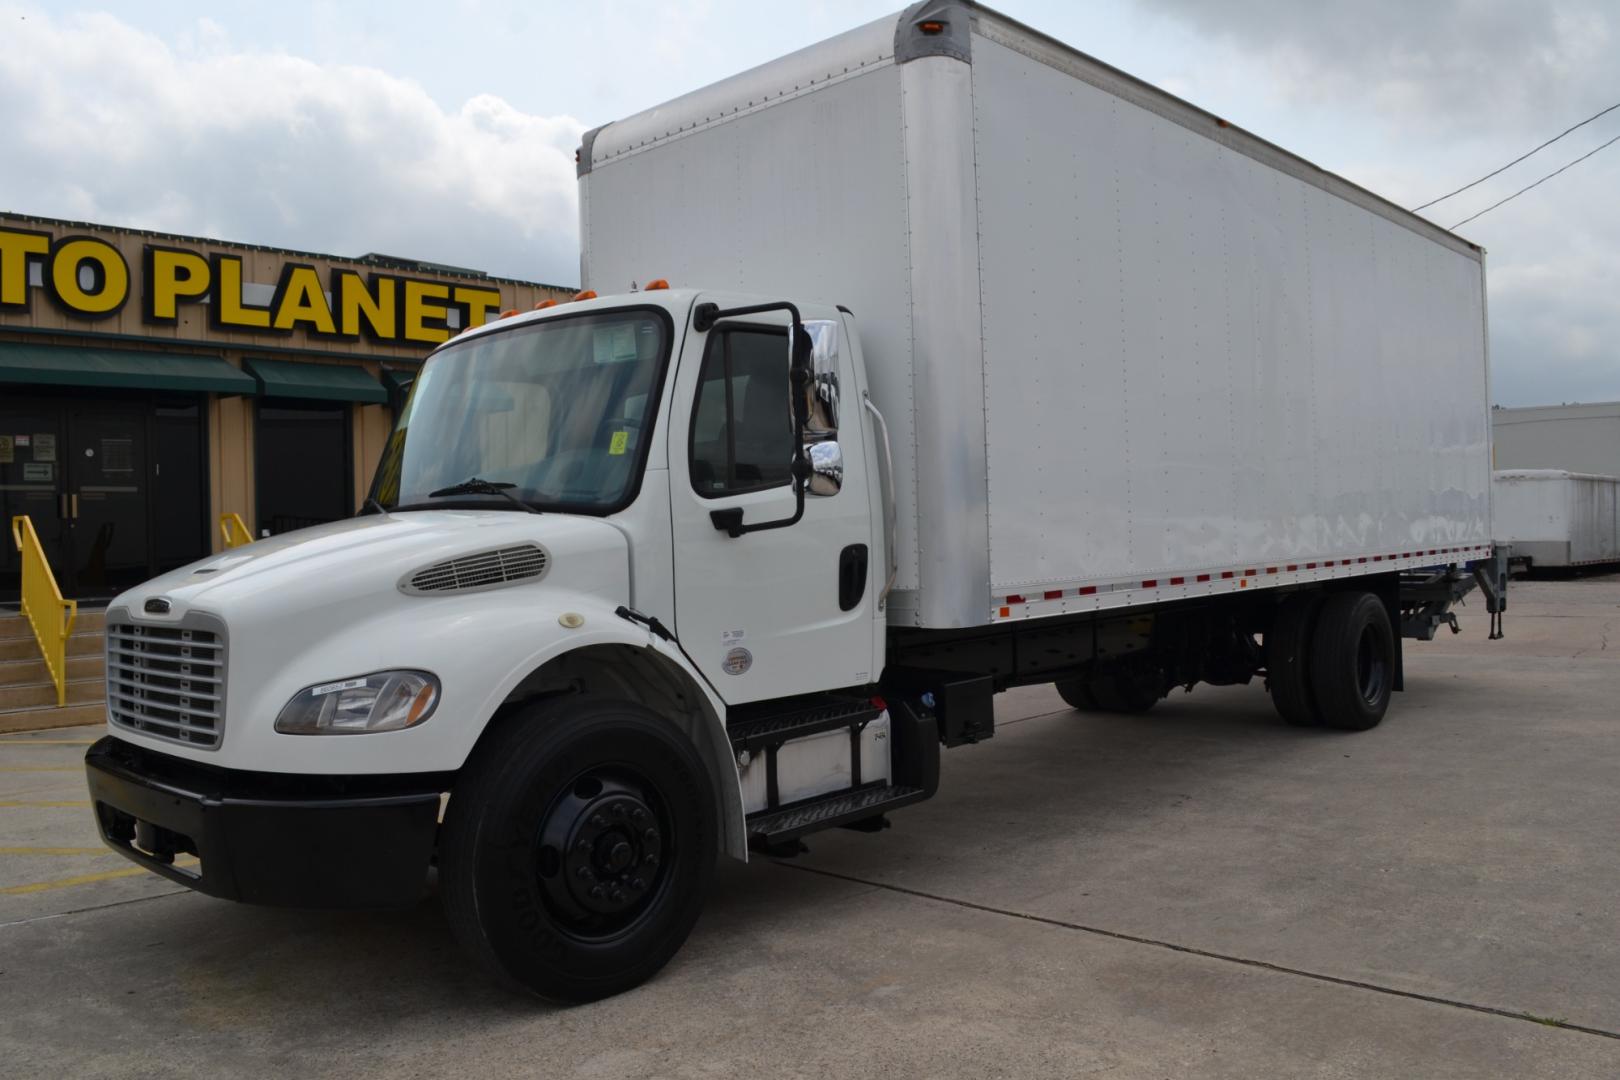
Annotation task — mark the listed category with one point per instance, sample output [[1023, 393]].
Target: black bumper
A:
[[266, 838]]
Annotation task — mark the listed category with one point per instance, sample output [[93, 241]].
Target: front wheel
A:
[[577, 848]]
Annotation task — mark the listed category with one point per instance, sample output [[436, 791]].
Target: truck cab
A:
[[657, 511]]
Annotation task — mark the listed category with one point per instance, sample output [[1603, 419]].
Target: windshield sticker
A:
[[620, 440], [614, 343]]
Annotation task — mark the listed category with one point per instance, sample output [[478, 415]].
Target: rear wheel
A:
[[1117, 691], [577, 847], [1353, 661], [1288, 653]]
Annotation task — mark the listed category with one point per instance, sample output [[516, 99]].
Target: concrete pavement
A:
[[1198, 892]]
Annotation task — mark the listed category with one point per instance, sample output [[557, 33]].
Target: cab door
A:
[[788, 609]]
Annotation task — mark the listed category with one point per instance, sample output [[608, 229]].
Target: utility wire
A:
[[1516, 160], [1538, 183]]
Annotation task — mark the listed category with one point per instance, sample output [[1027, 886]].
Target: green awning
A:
[[398, 382], [61, 365], [329, 382]]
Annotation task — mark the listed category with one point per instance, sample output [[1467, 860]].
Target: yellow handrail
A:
[[50, 616], [234, 530]]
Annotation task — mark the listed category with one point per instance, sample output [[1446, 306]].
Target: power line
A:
[[1516, 160], [1538, 183]]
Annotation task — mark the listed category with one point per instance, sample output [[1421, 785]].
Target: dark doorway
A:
[[303, 466], [114, 488]]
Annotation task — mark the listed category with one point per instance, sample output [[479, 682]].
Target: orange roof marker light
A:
[[585, 294], [542, 305], [509, 313], [656, 283]]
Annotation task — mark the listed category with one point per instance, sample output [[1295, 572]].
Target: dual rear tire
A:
[[1330, 661]]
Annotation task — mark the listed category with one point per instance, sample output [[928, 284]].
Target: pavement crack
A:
[[1262, 965], [92, 907]]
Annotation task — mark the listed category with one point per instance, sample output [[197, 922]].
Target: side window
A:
[[742, 433]]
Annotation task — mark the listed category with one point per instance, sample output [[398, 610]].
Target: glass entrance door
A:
[[108, 500], [115, 489], [31, 484]]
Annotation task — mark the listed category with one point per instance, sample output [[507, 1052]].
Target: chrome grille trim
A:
[[480, 570], [166, 679]]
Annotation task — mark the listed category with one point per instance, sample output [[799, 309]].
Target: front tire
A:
[[577, 848]]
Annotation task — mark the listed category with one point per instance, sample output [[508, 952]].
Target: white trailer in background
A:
[[984, 365], [1582, 438], [1554, 519]]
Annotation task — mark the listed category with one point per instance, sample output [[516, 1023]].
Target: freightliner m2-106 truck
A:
[[981, 364]]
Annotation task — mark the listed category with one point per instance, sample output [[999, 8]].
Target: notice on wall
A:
[[35, 473], [8, 452], [45, 447], [22, 440]]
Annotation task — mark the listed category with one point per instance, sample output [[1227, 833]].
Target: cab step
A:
[[757, 733], [769, 828]]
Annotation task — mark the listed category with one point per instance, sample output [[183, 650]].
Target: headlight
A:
[[381, 701]]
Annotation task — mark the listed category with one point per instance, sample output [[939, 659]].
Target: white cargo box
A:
[[1555, 518], [1128, 353]]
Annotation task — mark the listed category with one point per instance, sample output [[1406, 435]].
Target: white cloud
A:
[[109, 124]]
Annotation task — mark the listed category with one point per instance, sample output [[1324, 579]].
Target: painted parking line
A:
[[41, 768], [56, 851], [84, 879], [47, 742], [16, 804]]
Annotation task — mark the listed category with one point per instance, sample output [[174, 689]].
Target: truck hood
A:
[[368, 556]]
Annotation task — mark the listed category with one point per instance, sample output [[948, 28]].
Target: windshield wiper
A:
[[475, 486]]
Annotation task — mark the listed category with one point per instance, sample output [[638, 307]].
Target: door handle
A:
[[63, 501], [74, 499]]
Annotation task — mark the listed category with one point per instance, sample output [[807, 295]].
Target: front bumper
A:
[[268, 838]]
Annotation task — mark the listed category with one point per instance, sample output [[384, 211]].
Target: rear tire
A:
[[1076, 693], [1108, 691], [577, 848], [1353, 661], [1288, 650]]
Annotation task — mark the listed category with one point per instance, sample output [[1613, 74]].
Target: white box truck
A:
[[985, 365], [1551, 519]]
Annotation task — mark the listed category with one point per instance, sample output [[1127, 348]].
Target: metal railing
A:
[[50, 616], [234, 530]]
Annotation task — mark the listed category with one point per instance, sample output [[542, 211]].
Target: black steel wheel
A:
[[1288, 654], [577, 848], [1353, 661]]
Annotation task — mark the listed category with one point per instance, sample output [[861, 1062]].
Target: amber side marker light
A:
[[655, 283], [585, 294], [931, 27], [542, 305]]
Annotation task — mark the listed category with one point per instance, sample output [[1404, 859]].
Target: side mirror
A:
[[821, 408]]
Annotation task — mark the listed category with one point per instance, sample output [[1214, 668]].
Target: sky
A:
[[446, 131]]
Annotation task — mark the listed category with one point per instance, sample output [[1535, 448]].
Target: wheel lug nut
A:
[[638, 884], [651, 836], [583, 847], [638, 815], [584, 872], [616, 896], [596, 892], [597, 820], [618, 809], [650, 859]]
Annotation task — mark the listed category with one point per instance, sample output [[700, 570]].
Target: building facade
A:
[[150, 383]]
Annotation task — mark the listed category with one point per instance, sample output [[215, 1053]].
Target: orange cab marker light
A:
[[509, 313], [931, 27], [542, 305], [655, 283], [585, 294]]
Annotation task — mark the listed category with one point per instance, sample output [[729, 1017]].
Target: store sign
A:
[[88, 278]]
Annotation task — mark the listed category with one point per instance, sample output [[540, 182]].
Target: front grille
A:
[[481, 571], [167, 681]]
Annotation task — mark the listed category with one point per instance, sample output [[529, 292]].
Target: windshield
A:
[[560, 410]]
